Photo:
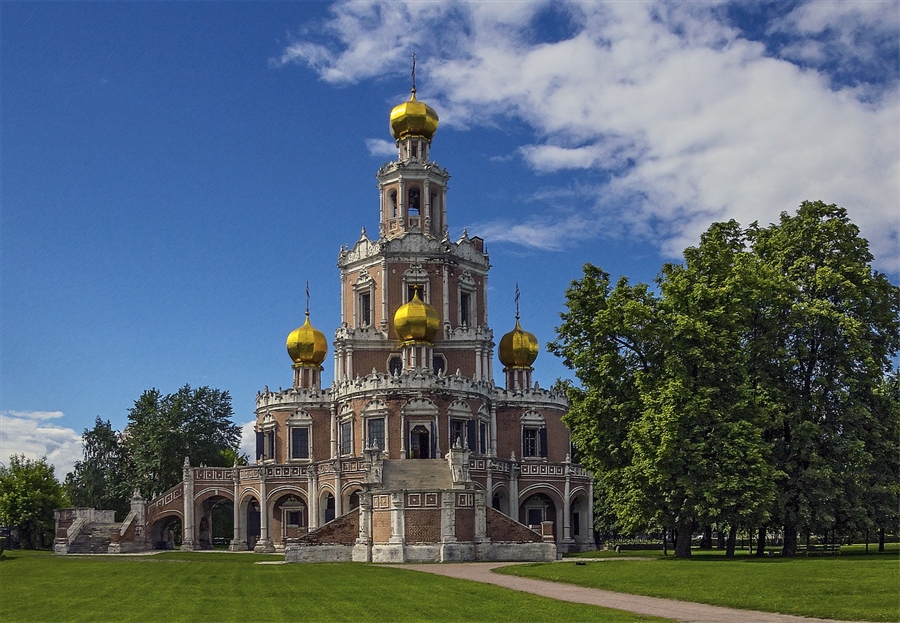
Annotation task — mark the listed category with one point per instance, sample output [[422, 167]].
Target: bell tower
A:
[[413, 189]]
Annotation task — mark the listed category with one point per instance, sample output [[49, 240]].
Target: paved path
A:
[[686, 611]]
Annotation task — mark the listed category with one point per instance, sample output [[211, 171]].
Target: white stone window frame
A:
[[466, 285], [417, 276], [268, 428], [300, 419], [376, 409], [422, 411], [459, 410], [533, 420], [483, 418], [364, 285], [346, 419], [294, 505]]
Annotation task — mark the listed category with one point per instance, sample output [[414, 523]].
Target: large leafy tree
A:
[[99, 479], [819, 354], [666, 415], [29, 493], [164, 429], [747, 387]]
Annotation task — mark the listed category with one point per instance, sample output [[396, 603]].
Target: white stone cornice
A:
[[533, 397], [413, 381], [295, 397]]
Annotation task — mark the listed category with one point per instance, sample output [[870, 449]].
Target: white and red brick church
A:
[[413, 453]]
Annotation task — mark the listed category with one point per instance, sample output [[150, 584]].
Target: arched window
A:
[[414, 199]]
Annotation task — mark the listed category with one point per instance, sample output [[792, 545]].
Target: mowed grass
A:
[[852, 586], [220, 587]]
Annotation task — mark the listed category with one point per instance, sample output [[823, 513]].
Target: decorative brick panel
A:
[[381, 526], [423, 526], [465, 524]]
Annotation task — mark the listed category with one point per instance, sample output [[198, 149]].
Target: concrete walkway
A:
[[686, 611]]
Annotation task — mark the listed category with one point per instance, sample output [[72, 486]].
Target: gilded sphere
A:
[[416, 322], [518, 348], [413, 118], [307, 346]]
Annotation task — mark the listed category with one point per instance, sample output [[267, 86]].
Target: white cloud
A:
[[26, 432], [682, 119], [381, 147], [248, 440]]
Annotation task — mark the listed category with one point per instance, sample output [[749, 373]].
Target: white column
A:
[[313, 494], [187, 543], [235, 545], [446, 322], [493, 430]]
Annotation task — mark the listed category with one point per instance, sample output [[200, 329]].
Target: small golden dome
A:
[[518, 348], [307, 346], [416, 322], [413, 118]]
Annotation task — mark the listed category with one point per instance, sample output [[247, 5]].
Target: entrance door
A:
[[419, 443]]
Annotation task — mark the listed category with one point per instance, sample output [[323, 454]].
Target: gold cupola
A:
[[518, 348], [416, 322], [307, 346], [413, 118]]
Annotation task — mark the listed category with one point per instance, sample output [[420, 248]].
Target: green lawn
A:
[[219, 587], [851, 586]]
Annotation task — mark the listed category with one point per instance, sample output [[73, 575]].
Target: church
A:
[[413, 453]]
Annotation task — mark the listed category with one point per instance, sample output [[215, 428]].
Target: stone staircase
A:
[[93, 539], [416, 475]]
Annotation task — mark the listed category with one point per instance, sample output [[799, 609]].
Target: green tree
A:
[[29, 493], [822, 344], [163, 430], [666, 417], [99, 479]]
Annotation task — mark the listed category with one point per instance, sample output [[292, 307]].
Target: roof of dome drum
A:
[[518, 348], [413, 118], [416, 322], [306, 345]]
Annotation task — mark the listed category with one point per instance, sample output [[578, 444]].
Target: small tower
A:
[[518, 350], [413, 189], [307, 346], [417, 324]]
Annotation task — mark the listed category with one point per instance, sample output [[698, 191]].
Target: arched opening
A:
[[166, 533], [536, 509], [350, 500], [414, 200], [500, 501], [327, 507], [290, 518], [579, 520], [419, 442], [392, 198], [250, 528], [215, 525]]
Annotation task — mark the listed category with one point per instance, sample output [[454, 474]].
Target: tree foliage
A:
[[149, 454], [164, 429], [29, 493], [99, 479], [745, 387]]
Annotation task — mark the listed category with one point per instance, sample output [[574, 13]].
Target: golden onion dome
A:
[[307, 346], [413, 118], [416, 322], [518, 348]]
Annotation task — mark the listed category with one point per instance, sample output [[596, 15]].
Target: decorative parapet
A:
[[481, 465], [418, 380], [295, 396], [360, 334], [470, 334], [532, 397]]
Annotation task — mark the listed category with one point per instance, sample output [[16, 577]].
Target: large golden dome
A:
[[518, 348], [413, 118], [307, 346], [416, 322]]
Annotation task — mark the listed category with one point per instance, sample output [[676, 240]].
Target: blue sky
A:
[[173, 173]]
